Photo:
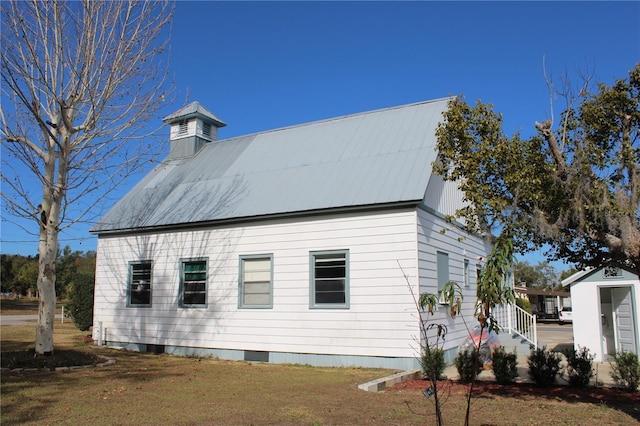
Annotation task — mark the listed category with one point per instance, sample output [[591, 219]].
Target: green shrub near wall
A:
[[80, 305]]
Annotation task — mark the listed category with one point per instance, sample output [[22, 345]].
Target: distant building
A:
[[545, 304]]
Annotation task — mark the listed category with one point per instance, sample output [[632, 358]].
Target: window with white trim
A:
[[139, 286], [329, 286], [193, 282], [256, 281]]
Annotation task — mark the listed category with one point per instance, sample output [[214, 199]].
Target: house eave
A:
[[259, 218]]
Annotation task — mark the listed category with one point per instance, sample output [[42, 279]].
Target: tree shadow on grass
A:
[[28, 396]]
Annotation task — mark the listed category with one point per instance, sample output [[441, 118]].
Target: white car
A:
[[565, 315]]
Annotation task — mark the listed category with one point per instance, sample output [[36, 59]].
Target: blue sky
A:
[[265, 65]]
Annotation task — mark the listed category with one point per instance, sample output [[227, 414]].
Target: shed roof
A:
[[374, 158], [598, 275]]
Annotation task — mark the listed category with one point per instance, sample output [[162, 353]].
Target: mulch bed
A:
[[610, 395]]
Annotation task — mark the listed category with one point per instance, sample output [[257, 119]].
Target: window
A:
[[139, 291], [256, 281], [206, 129], [193, 282], [329, 279], [466, 278], [442, 265]]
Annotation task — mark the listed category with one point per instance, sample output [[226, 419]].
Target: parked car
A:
[[565, 315]]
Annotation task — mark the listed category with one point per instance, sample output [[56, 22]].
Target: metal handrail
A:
[[515, 320]]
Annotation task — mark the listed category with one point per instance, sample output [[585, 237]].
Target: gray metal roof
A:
[[194, 109], [360, 160]]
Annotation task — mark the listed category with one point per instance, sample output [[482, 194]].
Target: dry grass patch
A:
[[147, 389]]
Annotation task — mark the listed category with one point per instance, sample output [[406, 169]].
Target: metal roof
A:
[[379, 157], [194, 109]]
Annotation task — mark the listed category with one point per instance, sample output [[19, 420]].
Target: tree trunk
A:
[[47, 252], [47, 297]]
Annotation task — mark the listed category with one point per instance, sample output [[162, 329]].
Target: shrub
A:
[[543, 366], [523, 304], [625, 370], [432, 363], [505, 366], [80, 305], [468, 365], [579, 369]]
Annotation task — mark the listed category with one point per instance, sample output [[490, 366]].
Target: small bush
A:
[[543, 366], [579, 369], [523, 304], [625, 370], [432, 363], [505, 366], [80, 306], [468, 365]]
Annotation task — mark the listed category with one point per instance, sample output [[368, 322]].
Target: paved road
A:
[[21, 319], [555, 336]]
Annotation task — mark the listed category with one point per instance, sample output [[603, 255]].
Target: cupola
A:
[[191, 128]]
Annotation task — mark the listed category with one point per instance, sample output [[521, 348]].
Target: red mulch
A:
[[529, 390]]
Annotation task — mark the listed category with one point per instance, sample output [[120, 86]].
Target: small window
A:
[[139, 291], [442, 265], [206, 129], [329, 279], [183, 127], [467, 278], [193, 282], [256, 282]]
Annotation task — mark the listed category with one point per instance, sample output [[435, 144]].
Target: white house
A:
[[288, 245], [605, 305]]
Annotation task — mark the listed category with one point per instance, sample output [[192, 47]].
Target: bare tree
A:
[[80, 83]]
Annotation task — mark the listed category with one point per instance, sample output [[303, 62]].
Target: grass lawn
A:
[[151, 389]]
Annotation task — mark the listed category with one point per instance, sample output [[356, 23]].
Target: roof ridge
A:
[[339, 117]]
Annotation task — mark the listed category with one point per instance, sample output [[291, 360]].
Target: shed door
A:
[[624, 319]]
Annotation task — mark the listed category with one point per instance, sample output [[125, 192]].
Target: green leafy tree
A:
[[27, 277], [65, 270], [6, 273], [540, 276], [80, 82], [69, 264], [574, 187], [567, 273]]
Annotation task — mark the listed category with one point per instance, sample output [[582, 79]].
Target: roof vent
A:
[[191, 128]]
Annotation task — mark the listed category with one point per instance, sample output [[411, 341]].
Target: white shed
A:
[[605, 304]]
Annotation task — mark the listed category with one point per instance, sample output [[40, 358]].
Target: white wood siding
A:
[[436, 234], [379, 322]]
